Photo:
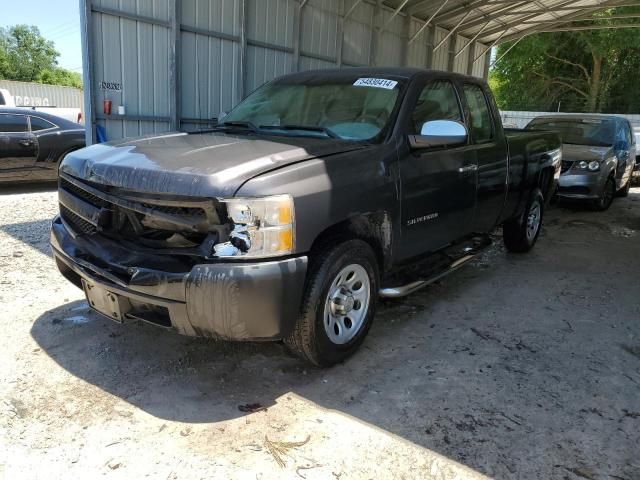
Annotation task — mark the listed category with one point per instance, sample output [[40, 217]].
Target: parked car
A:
[[318, 193], [599, 155], [32, 145], [70, 114]]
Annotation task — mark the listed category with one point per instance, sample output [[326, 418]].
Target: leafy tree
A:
[[583, 71], [25, 55], [60, 76]]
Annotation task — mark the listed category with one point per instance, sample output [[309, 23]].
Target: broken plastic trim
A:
[[263, 227]]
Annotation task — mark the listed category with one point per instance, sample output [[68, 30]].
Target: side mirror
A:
[[440, 133]]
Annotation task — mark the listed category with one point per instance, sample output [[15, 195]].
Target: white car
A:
[[71, 114]]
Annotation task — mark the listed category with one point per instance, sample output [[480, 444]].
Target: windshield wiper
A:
[[310, 128], [246, 125]]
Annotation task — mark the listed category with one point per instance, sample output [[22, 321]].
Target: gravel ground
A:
[[516, 367]]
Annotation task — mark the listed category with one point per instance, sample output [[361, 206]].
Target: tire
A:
[[521, 234], [624, 191], [324, 334], [607, 196]]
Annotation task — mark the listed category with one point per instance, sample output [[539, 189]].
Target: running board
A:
[[404, 290]]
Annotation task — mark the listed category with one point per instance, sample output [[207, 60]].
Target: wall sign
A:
[[111, 86]]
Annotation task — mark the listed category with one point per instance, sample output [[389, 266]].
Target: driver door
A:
[[438, 185]]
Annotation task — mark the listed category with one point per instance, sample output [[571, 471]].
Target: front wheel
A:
[[624, 192], [606, 197], [521, 234], [339, 304]]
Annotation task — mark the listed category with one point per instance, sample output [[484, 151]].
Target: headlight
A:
[[592, 166], [264, 227]]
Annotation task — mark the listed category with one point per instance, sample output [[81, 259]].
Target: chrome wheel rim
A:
[[533, 220], [347, 304]]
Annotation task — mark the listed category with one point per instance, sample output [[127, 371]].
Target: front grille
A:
[[78, 223], [171, 210], [82, 193], [576, 190], [566, 166], [173, 226]]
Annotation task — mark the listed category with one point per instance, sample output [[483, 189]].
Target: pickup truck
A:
[[70, 114], [319, 193]]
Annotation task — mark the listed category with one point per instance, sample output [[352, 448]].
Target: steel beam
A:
[[86, 37], [587, 19], [428, 22], [297, 19], [475, 37], [174, 64], [242, 60], [375, 33], [451, 32], [563, 20]]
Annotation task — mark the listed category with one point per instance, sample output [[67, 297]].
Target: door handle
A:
[[26, 143], [468, 168]]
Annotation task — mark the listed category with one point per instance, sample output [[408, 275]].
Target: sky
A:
[[58, 20]]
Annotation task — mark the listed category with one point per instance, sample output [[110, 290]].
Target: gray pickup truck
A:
[[317, 194]]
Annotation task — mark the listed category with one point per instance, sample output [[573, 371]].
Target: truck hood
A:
[[588, 153], [211, 164]]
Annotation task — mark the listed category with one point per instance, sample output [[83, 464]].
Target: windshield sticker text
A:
[[376, 83]]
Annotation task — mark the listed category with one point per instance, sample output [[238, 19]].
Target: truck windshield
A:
[[355, 109], [593, 132]]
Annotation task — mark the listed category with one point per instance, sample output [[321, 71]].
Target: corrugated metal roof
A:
[[497, 21]]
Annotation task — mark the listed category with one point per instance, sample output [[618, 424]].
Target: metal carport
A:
[[173, 64]]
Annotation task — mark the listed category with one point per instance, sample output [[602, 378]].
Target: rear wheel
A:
[[606, 197], [339, 304], [521, 234]]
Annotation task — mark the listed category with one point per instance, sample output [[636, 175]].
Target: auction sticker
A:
[[376, 83]]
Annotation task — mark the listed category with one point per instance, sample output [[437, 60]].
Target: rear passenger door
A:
[[18, 146], [438, 185], [490, 148]]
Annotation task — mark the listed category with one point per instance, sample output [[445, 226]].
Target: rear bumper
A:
[[234, 301], [586, 186]]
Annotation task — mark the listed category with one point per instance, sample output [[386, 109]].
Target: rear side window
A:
[[480, 122], [13, 123], [437, 101], [38, 123]]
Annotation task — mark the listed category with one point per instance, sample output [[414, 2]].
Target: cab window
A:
[[10, 123], [479, 119], [437, 101]]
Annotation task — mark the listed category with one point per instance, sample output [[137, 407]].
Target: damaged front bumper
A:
[[229, 300]]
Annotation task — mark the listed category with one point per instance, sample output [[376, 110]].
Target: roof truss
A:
[[496, 21]]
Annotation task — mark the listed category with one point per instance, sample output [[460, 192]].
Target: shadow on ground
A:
[[26, 187], [31, 235], [514, 365]]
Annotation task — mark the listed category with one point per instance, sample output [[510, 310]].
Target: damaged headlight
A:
[[263, 227]]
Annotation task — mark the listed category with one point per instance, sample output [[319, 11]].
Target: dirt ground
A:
[[518, 367]]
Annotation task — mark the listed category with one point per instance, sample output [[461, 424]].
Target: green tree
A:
[[583, 71], [60, 76], [25, 55]]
